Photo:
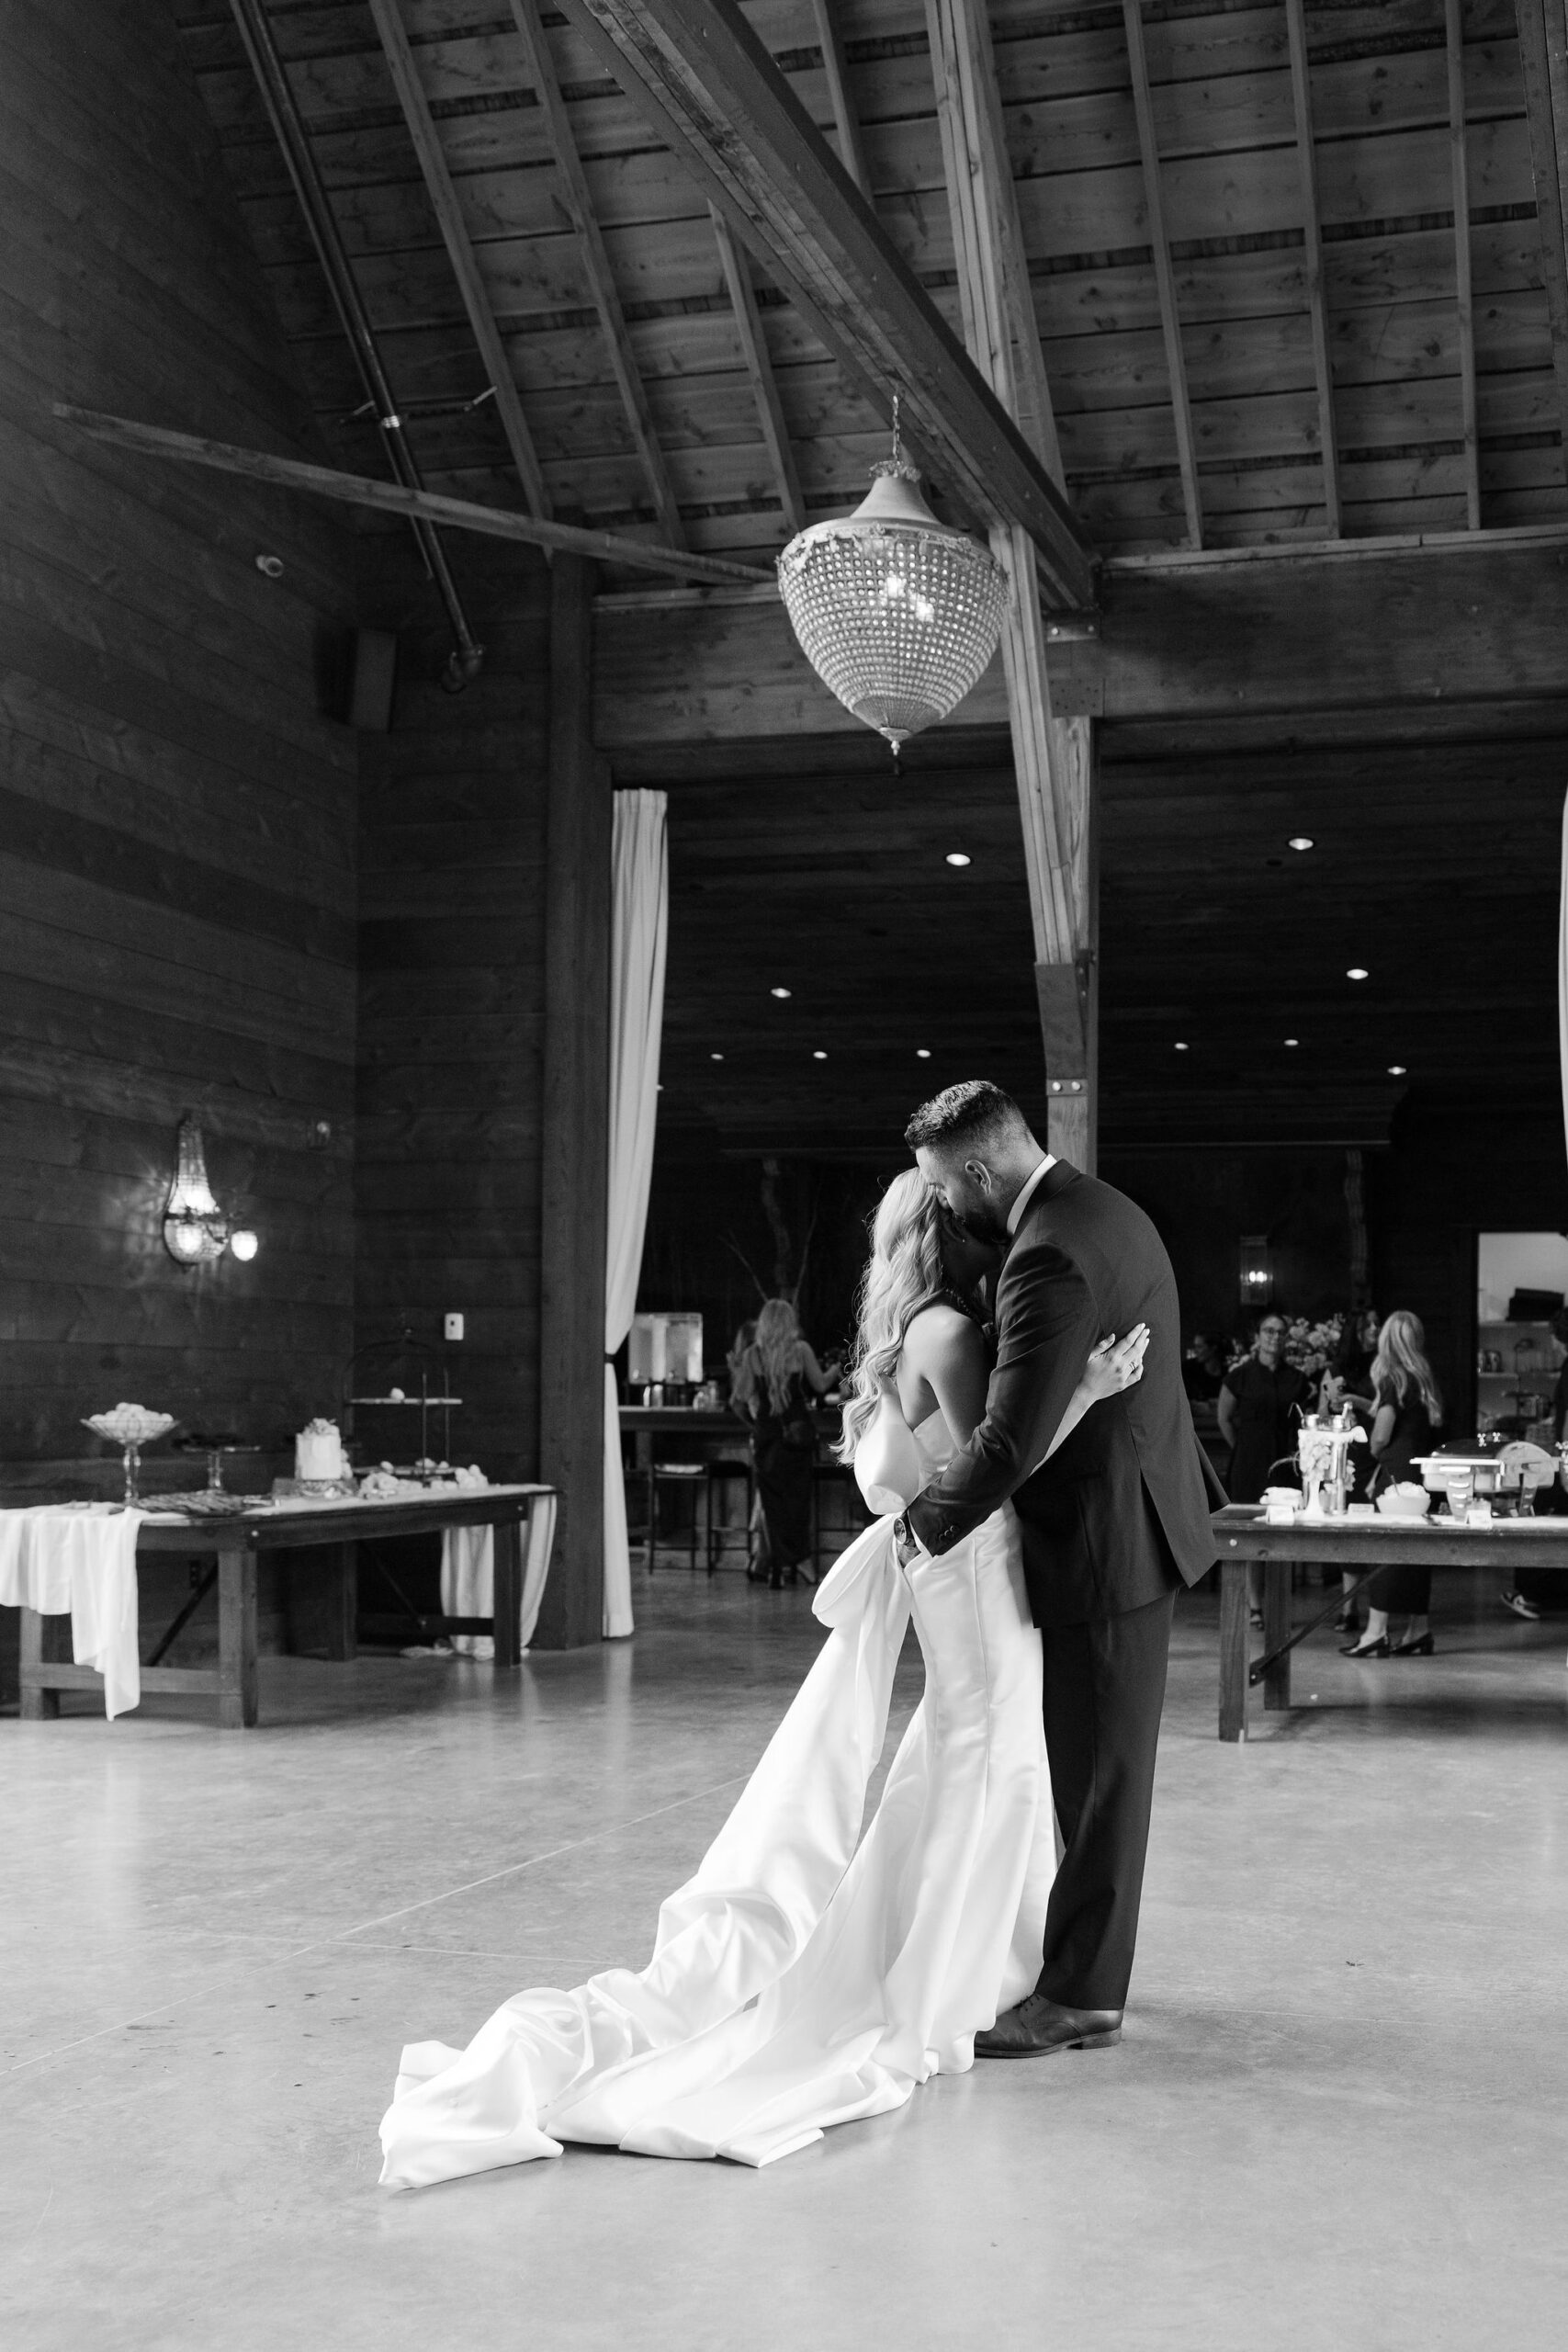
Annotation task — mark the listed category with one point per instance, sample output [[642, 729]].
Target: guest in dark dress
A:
[[1260, 1409], [1408, 1416], [779, 1381], [1349, 1381]]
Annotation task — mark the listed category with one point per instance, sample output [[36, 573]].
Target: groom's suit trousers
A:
[[1104, 1689]]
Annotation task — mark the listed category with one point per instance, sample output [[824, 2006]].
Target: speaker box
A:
[[373, 676]]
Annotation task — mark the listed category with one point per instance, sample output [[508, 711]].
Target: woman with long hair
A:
[[809, 1974], [1407, 1412], [781, 1380]]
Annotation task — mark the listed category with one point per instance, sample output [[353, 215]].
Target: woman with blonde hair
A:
[[780, 1380], [810, 1972], [1407, 1412]]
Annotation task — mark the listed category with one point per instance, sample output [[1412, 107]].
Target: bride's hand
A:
[[1116, 1365]]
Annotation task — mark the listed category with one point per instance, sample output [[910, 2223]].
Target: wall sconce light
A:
[[1256, 1269], [195, 1229]]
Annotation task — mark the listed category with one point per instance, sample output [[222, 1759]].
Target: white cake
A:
[[319, 1457]]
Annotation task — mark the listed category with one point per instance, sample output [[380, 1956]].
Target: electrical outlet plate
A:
[[454, 1327]]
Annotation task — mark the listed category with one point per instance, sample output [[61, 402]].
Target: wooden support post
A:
[[596, 269], [1165, 277], [1053, 759], [575, 1114], [1543, 65], [759, 366], [1455, 24], [448, 211], [1317, 301]]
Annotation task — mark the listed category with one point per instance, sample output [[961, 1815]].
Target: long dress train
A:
[[805, 1975]]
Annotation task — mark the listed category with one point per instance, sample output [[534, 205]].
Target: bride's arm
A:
[[1114, 1365]]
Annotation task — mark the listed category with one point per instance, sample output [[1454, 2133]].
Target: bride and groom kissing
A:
[[1042, 1497]]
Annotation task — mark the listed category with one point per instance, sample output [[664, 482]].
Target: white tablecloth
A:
[[467, 1576], [70, 1560]]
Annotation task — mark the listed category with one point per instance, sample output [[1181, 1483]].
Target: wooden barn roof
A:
[[481, 170]]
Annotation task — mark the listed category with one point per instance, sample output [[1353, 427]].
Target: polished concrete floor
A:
[[1339, 2117]]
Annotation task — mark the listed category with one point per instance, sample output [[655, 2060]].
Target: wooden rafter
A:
[[1455, 32], [1317, 299], [542, 73], [846, 121], [1543, 62], [1164, 277], [760, 368], [391, 497], [465, 267], [704, 79]]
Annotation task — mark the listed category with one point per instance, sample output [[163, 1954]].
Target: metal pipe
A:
[[466, 657]]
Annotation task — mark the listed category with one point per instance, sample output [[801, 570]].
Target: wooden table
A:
[[1359, 1546], [234, 1546], [647, 1423]]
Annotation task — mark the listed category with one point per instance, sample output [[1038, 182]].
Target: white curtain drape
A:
[[639, 924], [1563, 972]]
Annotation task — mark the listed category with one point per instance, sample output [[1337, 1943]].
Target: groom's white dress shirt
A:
[[1026, 1192]]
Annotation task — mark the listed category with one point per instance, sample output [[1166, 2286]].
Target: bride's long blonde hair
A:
[[904, 1270]]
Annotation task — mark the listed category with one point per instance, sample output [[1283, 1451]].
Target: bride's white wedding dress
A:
[[806, 1976]]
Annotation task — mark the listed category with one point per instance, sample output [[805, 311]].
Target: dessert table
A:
[[234, 1543], [1361, 1546]]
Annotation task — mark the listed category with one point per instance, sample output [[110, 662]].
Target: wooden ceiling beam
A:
[[391, 497], [1543, 64], [578, 203], [1454, 29], [846, 121], [1164, 277], [432, 158], [711, 88], [1317, 298]]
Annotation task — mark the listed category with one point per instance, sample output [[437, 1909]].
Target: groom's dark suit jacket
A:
[[1122, 1509]]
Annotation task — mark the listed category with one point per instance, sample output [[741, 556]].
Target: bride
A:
[[807, 1974]]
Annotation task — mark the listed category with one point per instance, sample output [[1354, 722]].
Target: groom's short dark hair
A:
[[975, 1112]]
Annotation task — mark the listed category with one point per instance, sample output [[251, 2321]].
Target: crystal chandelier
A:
[[196, 1230], [897, 612]]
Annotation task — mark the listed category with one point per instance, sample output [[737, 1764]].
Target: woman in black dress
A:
[[1408, 1413], [780, 1380]]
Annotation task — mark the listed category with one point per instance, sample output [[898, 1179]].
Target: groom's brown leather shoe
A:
[[1039, 2025]]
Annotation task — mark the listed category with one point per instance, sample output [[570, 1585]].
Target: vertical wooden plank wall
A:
[[452, 851], [176, 815]]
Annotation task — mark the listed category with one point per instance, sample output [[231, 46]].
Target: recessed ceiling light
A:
[[922, 1053], [959, 857], [1180, 1046], [1293, 1041], [818, 1055], [778, 991], [1298, 840], [1356, 972], [1397, 1069], [716, 1057]]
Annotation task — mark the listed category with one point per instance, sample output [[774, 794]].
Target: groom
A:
[[1112, 1525]]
